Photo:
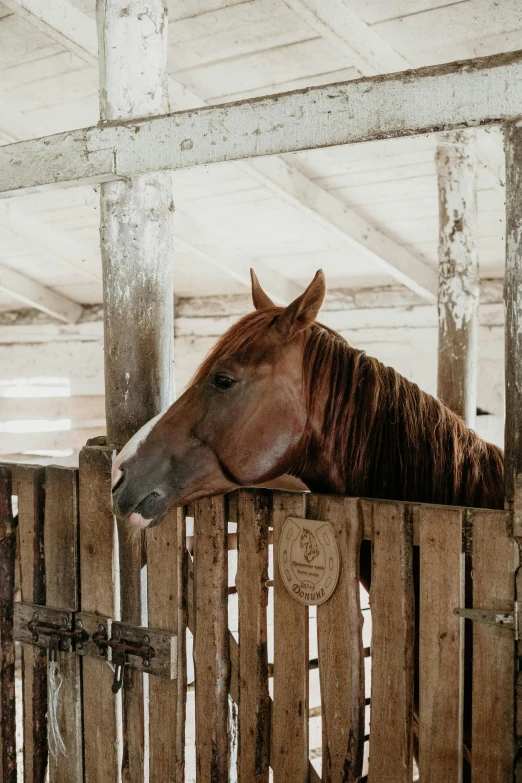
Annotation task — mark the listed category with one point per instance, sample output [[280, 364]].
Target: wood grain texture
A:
[[211, 642], [133, 717], [62, 574], [252, 576], [513, 325], [494, 562], [441, 644], [28, 485], [340, 649], [167, 608], [289, 747], [8, 770], [392, 647], [101, 711], [458, 293]]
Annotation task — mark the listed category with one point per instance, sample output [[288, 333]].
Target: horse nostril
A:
[[156, 494]]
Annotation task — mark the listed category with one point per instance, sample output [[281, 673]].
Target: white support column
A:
[[458, 273], [136, 224]]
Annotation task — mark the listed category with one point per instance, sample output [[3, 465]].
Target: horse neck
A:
[[373, 433]]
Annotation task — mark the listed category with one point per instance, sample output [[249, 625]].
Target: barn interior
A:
[[367, 214]]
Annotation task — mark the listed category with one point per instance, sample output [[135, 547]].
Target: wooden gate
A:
[[249, 698]]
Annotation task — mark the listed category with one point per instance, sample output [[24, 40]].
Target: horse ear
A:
[[303, 311], [259, 298]]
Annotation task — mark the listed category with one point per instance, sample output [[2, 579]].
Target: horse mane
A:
[[380, 434]]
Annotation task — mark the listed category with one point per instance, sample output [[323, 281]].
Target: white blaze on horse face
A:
[[130, 448]]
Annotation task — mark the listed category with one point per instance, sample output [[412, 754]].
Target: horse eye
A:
[[223, 381]]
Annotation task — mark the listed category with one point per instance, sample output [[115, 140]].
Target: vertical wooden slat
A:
[[211, 643], [8, 771], [289, 749], [251, 579], [167, 608], [494, 553], [340, 648], [29, 487], [441, 644], [130, 559], [100, 714], [392, 605], [61, 569]]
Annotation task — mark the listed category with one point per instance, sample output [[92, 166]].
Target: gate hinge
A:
[[509, 620], [147, 649]]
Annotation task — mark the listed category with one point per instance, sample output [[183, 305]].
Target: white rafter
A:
[[371, 54], [34, 294], [74, 29]]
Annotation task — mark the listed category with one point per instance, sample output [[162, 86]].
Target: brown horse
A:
[[282, 394]]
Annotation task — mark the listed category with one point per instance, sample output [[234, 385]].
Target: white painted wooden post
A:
[[137, 256], [136, 224], [458, 297]]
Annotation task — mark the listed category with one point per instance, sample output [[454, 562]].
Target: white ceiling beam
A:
[[69, 26], [371, 54], [361, 236], [480, 92], [36, 295], [39, 235], [234, 261]]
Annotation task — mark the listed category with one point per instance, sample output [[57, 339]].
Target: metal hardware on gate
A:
[[509, 620], [121, 644]]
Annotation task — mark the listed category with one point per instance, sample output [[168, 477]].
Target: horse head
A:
[[240, 422]]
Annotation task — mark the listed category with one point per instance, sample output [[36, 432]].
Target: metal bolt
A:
[[101, 627], [64, 645], [146, 639], [79, 624], [116, 633], [65, 620], [35, 615], [79, 646], [101, 651], [146, 662]]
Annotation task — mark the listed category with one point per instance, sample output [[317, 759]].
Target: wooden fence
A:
[[251, 710]]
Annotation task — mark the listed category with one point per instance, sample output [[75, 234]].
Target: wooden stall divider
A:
[[101, 710], [28, 485], [289, 730], [211, 641], [132, 696], [167, 608], [441, 644], [340, 648], [495, 559], [252, 576], [61, 571], [393, 631], [8, 770]]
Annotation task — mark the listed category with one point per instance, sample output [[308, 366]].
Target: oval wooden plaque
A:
[[308, 560]]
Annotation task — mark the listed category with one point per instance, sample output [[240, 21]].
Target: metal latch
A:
[[509, 620], [121, 644]]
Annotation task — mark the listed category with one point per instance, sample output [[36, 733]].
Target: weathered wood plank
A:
[[211, 642], [495, 558], [441, 644], [252, 576], [167, 608], [289, 747], [28, 485], [392, 605], [340, 649], [443, 97], [8, 770], [133, 716], [458, 295], [101, 711], [61, 573], [513, 334]]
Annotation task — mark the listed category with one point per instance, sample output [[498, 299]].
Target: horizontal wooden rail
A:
[[476, 92]]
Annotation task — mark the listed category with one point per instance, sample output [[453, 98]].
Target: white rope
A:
[[54, 737]]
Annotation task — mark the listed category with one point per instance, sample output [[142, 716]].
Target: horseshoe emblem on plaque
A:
[[309, 559]]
